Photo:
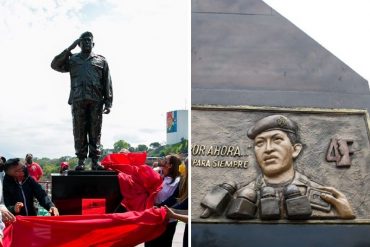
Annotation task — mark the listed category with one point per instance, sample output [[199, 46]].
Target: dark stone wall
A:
[[245, 53]]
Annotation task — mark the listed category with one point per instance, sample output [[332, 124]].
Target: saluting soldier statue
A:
[[91, 95]]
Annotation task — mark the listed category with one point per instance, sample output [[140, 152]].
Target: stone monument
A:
[[91, 96], [280, 134]]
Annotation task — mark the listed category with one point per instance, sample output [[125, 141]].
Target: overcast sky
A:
[[147, 46], [341, 26]]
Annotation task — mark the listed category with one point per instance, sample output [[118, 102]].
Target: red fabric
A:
[[139, 183], [126, 229], [115, 161], [35, 171], [93, 206]]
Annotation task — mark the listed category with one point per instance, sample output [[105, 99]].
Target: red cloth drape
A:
[[118, 230], [139, 183], [114, 161]]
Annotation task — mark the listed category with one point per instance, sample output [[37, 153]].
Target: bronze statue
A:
[[91, 90], [280, 191]]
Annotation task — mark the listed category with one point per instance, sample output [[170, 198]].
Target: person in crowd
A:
[[6, 216], [2, 226], [34, 169], [155, 164], [181, 207], [3, 210], [157, 167], [182, 169], [20, 189], [168, 196], [174, 214], [124, 151], [64, 167]]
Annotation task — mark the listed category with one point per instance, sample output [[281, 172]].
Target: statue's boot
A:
[[96, 165], [80, 166]]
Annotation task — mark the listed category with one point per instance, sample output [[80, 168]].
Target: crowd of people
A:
[[20, 187], [173, 196]]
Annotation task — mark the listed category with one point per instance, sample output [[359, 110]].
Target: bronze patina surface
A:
[[91, 95]]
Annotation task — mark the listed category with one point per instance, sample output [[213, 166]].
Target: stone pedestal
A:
[[88, 188]]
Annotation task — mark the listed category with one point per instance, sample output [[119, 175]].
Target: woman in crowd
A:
[[181, 207], [20, 190], [168, 196]]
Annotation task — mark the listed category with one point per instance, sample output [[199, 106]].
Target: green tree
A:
[[142, 148], [73, 163], [118, 145], [156, 152], [154, 145], [48, 169], [105, 152]]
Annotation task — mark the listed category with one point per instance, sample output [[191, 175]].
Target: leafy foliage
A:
[[155, 149], [141, 148], [154, 145], [178, 148], [118, 145]]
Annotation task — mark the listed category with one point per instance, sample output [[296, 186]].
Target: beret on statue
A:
[[273, 122]]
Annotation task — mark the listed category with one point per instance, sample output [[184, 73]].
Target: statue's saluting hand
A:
[[74, 44]]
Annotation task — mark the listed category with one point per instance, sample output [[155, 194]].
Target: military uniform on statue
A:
[[91, 95]]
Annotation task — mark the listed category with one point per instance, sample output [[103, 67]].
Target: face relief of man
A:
[[276, 146], [275, 154]]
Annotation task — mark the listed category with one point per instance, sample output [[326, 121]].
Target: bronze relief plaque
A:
[[268, 164]]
